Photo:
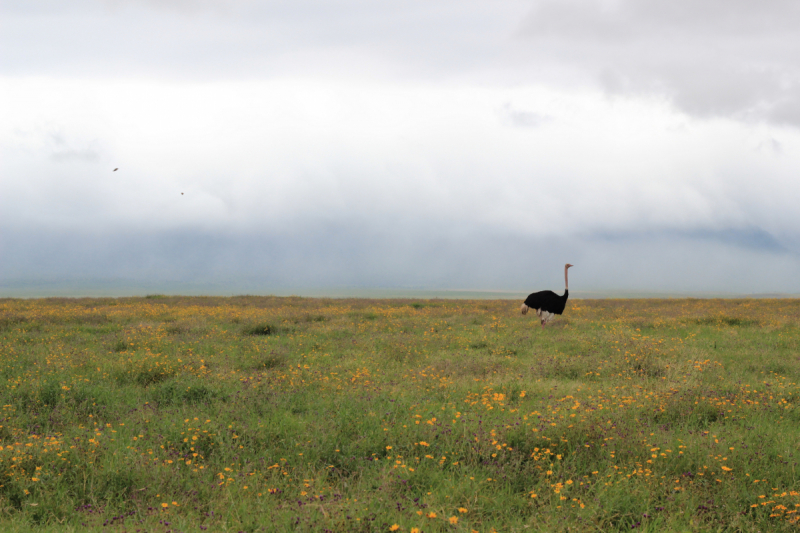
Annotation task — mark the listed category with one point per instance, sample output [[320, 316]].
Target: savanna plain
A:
[[167, 414]]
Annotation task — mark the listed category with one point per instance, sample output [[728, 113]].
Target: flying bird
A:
[[547, 304], [115, 170]]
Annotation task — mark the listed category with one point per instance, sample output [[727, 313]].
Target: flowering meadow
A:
[[167, 414]]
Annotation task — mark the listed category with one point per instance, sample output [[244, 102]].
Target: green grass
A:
[[293, 414]]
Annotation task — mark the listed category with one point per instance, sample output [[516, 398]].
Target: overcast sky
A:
[[434, 144]]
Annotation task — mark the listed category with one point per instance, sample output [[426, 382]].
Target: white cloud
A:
[[290, 149]]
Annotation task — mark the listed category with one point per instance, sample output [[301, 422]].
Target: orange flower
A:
[[394, 527], [453, 520]]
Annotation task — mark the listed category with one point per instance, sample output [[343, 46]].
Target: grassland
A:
[[281, 414]]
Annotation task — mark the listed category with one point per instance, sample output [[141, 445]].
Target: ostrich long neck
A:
[[566, 280]]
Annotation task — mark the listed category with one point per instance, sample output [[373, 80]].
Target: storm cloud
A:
[[440, 145]]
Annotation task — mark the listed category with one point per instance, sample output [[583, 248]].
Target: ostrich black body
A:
[[547, 300]]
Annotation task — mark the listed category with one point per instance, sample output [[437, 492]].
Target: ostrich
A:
[[547, 304]]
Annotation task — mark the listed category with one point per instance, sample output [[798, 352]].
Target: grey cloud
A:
[[771, 145], [61, 151], [62, 148], [710, 57], [386, 180], [749, 238], [351, 255], [786, 111], [523, 119], [621, 19]]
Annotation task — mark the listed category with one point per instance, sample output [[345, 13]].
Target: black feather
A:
[[547, 300]]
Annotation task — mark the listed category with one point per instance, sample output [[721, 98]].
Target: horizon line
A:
[[130, 290]]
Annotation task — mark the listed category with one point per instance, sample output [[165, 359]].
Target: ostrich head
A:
[[567, 266]]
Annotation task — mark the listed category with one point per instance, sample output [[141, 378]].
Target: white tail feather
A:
[[524, 309]]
